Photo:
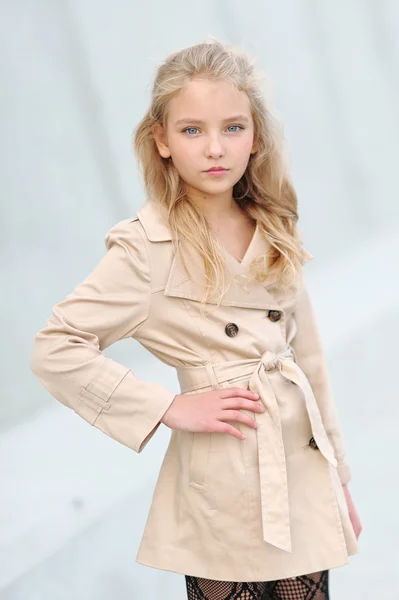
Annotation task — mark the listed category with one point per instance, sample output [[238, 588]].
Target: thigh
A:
[[304, 587], [208, 589]]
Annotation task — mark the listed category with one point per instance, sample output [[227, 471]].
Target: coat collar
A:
[[154, 221], [241, 292]]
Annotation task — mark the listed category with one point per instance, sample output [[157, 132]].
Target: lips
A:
[[215, 169]]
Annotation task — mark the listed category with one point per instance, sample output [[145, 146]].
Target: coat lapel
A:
[[241, 293]]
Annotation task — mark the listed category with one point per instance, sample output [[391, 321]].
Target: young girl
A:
[[252, 499]]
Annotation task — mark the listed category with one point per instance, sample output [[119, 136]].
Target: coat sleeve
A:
[[109, 305], [311, 359]]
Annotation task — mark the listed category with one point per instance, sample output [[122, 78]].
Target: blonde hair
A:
[[264, 192]]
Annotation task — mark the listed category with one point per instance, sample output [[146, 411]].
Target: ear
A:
[[254, 146], [159, 133]]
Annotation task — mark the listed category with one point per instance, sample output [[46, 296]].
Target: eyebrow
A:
[[242, 118]]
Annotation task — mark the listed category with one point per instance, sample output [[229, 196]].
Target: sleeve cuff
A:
[[124, 407]]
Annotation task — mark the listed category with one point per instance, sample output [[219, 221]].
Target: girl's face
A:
[[209, 125]]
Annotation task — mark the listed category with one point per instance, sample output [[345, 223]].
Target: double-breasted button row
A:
[[231, 329]]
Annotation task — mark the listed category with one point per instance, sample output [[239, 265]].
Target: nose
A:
[[214, 148]]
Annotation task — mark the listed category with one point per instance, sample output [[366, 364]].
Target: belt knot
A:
[[271, 360]]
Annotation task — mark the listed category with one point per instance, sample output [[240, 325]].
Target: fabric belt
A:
[[272, 466]]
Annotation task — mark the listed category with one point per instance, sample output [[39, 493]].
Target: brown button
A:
[[274, 315], [231, 329], [312, 443]]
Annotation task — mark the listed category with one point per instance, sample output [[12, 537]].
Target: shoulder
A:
[[148, 225], [127, 232], [135, 242], [125, 243], [126, 252]]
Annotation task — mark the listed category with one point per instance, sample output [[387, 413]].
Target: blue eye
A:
[[238, 127], [190, 130]]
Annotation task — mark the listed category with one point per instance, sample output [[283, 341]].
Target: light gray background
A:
[[74, 80]]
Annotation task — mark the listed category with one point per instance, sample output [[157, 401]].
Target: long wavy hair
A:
[[264, 192]]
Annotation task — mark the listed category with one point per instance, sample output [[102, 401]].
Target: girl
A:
[[252, 499]]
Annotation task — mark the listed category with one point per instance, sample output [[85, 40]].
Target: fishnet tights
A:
[[304, 587]]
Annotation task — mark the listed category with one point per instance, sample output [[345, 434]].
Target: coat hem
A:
[[184, 566]]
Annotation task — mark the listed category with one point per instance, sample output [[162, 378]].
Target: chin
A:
[[216, 186], [216, 191]]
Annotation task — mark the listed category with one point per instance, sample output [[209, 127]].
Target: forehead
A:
[[208, 100]]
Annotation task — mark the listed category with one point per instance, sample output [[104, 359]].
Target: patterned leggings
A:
[[304, 587]]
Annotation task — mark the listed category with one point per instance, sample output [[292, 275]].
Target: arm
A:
[[311, 359], [109, 305]]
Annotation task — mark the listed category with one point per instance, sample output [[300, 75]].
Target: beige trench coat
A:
[[268, 507]]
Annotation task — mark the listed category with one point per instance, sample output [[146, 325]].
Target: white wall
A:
[[74, 80]]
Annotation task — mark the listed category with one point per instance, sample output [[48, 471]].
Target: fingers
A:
[[221, 427], [237, 391], [243, 404], [238, 417]]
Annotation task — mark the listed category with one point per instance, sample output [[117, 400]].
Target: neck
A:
[[214, 208]]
